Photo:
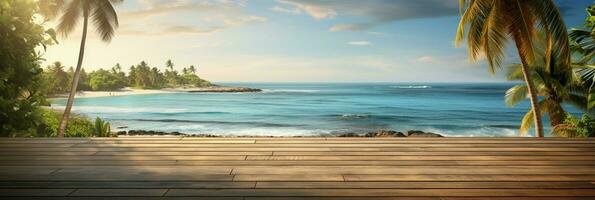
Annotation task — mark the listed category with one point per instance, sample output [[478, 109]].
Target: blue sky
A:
[[294, 40]]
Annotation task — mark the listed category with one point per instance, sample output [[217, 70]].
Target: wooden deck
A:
[[297, 168]]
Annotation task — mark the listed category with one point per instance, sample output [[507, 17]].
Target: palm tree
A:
[[169, 65], [583, 43], [490, 23], [554, 83], [192, 69], [105, 19]]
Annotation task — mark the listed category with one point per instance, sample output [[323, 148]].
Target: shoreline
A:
[[378, 133], [133, 91]]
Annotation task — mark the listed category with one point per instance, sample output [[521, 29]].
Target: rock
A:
[[122, 127], [224, 89], [418, 133], [349, 135], [121, 133], [143, 132], [385, 133]]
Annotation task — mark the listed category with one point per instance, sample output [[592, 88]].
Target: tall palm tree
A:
[[105, 19], [192, 69], [583, 43], [490, 23], [554, 83]]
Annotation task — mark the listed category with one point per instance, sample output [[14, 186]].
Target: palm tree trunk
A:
[[533, 97], [75, 80], [557, 115]]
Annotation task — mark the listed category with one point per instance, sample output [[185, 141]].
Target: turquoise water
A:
[[313, 109]]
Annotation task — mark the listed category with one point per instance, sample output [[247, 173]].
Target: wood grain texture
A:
[[256, 168]]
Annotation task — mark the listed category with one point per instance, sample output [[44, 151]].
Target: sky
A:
[[293, 40]]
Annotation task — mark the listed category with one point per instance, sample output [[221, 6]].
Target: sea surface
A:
[[306, 109]]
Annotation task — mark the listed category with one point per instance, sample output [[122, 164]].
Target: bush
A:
[[574, 127], [78, 126]]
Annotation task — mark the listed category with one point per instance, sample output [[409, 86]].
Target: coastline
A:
[[133, 91], [378, 133]]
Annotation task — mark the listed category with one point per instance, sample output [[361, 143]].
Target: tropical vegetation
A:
[[104, 17], [140, 76], [21, 35], [488, 25], [23, 82]]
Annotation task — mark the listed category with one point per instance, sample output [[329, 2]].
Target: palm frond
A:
[[50, 8], [494, 37], [522, 23], [70, 17], [516, 94], [105, 19], [515, 72], [527, 122], [584, 43], [552, 21]]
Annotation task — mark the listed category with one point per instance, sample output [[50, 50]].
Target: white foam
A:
[[106, 109], [289, 91], [412, 86], [480, 132]]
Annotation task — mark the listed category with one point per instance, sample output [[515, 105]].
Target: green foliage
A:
[[104, 80], [101, 128], [78, 126], [574, 127], [21, 91], [144, 76], [57, 81]]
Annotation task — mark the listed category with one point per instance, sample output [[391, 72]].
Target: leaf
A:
[[516, 94], [527, 122]]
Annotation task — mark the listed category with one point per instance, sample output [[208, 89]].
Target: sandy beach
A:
[[122, 92], [132, 91]]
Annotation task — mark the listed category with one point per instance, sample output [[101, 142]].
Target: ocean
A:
[[310, 109]]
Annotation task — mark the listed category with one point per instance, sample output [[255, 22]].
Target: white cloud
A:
[[349, 27], [360, 43], [317, 12], [375, 12], [209, 17], [425, 59], [294, 11]]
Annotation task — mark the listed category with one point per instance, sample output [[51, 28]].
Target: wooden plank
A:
[[342, 198], [87, 163], [231, 163], [306, 145], [118, 158], [432, 153], [288, 177], [119, 192], [47, 153], [588, 170], [528, 158], [283, 158], [463, 177], [389, 141], [5, 171], [301, 149], [418, 198], [177, 153], [131, 173], [35, 192], [382, 192], [125, 184], [426, 185]]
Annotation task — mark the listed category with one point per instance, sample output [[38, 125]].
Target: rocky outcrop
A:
[[147, 133], [380, 133], [385, 133], [391, 133], [217, 89], [417, 133]]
